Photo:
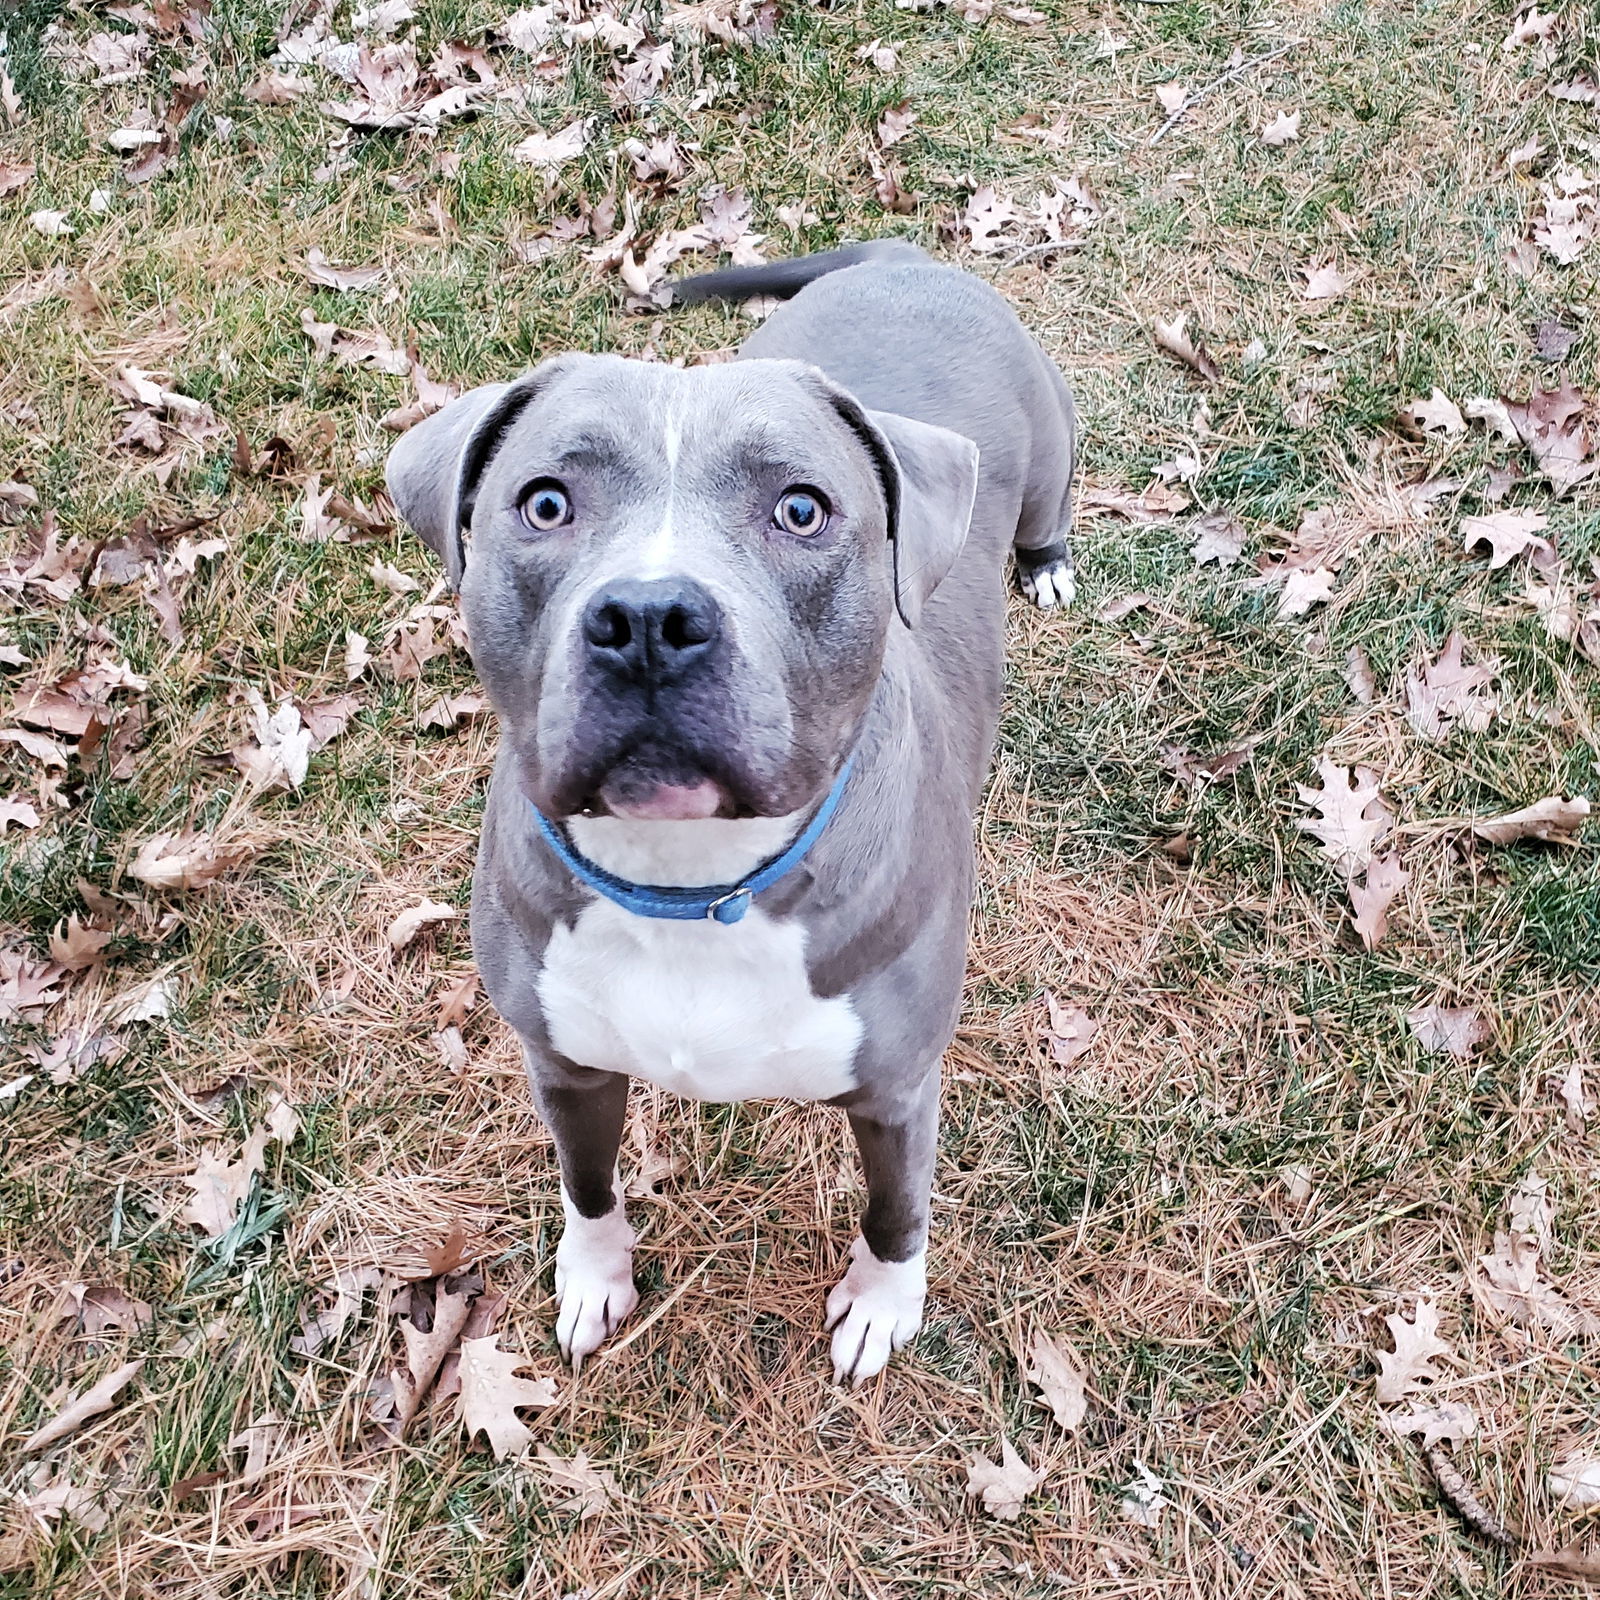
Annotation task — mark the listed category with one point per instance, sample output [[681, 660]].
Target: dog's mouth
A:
[[655, 785], [661, 802]]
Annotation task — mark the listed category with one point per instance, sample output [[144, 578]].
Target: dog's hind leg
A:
[[1043, 547], [584, 1111]]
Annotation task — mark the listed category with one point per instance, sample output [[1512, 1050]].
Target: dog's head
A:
[[679, 583]]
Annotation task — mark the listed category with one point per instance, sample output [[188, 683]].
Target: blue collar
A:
[[725, 902]]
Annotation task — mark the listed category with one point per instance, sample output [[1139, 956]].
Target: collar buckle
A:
[[729, 907]]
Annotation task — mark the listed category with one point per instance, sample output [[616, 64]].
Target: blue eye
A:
[[801, 511], [545, 506]]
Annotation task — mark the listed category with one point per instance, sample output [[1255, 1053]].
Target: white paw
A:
[[594, 1280], [1049, 586], [875, 1310]]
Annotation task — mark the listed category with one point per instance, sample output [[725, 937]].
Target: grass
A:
[[1134, 1202]]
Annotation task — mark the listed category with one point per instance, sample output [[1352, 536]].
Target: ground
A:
[[1217, 1176]]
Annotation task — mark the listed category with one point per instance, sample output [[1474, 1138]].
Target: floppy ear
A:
[[936, 481], [433, 471], [930, 480]]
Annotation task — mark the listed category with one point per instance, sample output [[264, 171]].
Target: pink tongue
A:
[[673, 803]]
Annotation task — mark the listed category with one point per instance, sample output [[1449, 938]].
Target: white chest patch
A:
[[712, 1012]]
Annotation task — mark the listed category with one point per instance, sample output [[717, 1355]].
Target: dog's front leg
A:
[[877, 1307], [584, 1111]]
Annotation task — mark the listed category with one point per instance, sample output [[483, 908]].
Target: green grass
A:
[[1133, 1202]]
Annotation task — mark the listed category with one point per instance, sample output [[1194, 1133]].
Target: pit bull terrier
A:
[[743, 628]]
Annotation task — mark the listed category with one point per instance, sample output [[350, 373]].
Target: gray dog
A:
[[743, 628]]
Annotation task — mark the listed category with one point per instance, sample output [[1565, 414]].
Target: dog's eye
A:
[[546, 506], [801, 511]]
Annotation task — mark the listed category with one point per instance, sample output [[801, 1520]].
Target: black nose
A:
[[651, 628]]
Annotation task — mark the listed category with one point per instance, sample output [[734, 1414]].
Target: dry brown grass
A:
[[1216, 1206]]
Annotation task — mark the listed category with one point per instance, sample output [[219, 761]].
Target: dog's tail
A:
[[782, 279]]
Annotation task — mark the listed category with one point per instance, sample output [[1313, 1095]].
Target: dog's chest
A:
[[708, 1011]]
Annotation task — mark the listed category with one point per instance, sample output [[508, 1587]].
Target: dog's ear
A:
[[930, 480], [434, 470], [930, 510]]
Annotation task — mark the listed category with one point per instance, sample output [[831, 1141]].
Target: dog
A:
[[742, 625]]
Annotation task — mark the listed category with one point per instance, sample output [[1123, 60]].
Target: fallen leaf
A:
[[1174, 338], [319, 270], [591, 1492], [36, 745], [1153, 504], [457, 1000], [425, 1351], [1171, 97], [392, 578], [491, 1394], [1219, 537], [1323, 283], [1358, 675], [1072, 1031], [326, 720], [260, 1439], [451, 710], [371, 349], [1511, 1280], [76, 947], [59, 1497], [188, 860], [1575, 1483], [1143, 1499], [1123, 605], [1553, 820], [18, 812], [68, 1056], [278, 89], [1354, 820], [1555, 426], [282, 1121], [1370, 901], [102, 1308], [150, 1001], [1283, 127], [896, 124], [412, 921], [1570, 1561], [1444, 694], [1304, 587], [1447, 1419], [281, 754], [1060, 1379], [1409, 1368], [91, 1403], [1002, 1488], [1452, 1030], [357, 655], [1577, 1104], [548, 151], [348, 1286], [431, 396], [1437, 414], [1195, 769], [1552, 340], [1509, 534], [221, 1186]]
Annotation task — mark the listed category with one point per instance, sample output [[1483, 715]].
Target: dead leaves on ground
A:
[[1512, 1281], [1354, 818]]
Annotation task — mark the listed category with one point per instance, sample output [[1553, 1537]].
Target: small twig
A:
[[1049, 245], [1195, 96]]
